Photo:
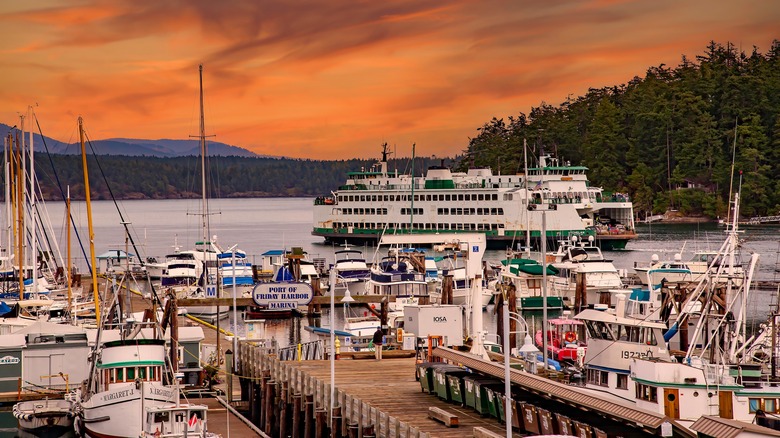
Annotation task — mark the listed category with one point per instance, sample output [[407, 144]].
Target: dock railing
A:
[[309, 395]]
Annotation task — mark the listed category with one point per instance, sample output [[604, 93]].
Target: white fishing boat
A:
[[678, 270], [127, 395], [702, 364], [378, 200]]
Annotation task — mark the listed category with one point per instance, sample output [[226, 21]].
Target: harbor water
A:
[[257, 225]]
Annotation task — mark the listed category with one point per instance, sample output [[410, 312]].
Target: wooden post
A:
[[335, 426], [308, 418], [321, 423], [283, 409], [256, 402], [512, 297], [296, 414]]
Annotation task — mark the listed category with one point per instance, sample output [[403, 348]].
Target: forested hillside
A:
[[163, 178], [671, 129]]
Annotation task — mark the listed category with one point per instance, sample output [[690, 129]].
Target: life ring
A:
[[570, 337]]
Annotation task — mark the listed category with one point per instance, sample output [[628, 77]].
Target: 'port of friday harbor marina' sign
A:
[[282, 296]]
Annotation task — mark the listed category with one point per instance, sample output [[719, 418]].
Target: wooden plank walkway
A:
[[390, 387]]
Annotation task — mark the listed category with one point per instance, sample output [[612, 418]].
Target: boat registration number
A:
[[625, 354]]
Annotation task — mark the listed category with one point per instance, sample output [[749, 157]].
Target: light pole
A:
[[507, 383]]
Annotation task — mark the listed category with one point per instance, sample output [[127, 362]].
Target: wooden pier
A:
[[371, 399]]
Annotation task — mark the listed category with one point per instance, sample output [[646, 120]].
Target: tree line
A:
[[669, 139]]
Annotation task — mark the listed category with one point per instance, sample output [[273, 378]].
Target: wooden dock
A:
[[372, 399]]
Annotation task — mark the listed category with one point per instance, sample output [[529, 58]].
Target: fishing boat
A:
[[526, 276], [506, 208], [45, 418], [127, 395], [565, 339], [401, 274]]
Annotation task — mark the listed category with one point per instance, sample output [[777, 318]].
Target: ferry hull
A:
[[494, 242]]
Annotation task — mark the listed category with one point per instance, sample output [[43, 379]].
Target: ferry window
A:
[[479, 211], [446, 197], [120, 375], [467, 211], [494, 196], [493, 211], [460, 197], [508, 197], [472, 227], [427, 197], [500, 211], [130, 373], [622, 381], [769, 405], [362, 198], [481, 197]]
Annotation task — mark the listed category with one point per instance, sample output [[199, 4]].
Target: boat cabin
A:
[[175, 421]]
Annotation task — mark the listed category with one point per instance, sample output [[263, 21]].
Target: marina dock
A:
[[384, 399]]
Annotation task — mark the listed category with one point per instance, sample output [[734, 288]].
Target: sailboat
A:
[[207, 251]]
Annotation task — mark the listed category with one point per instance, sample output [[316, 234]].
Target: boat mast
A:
[[68, 273], [20, 212], [33, 221], [92, 268]]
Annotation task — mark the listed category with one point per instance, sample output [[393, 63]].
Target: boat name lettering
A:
[[625, 354], [167, 393], [118, 394], [9, 360]]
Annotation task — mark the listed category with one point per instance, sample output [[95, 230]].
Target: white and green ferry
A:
[[507, 208]]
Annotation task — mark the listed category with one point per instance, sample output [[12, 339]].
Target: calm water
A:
[[259, 225]]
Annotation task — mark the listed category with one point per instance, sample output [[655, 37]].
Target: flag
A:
[[193, 421], [538, 185]]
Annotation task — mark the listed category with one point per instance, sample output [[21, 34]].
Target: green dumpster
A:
[[493, 395], [440, 386], [475, 392], [425, 371], [456, 386]]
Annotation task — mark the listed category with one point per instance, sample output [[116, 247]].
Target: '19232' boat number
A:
[[636, 354]]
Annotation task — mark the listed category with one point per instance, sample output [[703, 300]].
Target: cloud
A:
[[329, 79]]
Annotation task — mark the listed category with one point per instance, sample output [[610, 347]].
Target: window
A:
[[130, 374], [622, 381], [120, 375], [598, 377], [647, 393]]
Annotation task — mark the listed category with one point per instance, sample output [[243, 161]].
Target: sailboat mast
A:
[[93, 267], [20, 215], [68, 273], [204, 206], [33, 221]]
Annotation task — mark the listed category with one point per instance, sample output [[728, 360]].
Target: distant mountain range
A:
[[138, 147]]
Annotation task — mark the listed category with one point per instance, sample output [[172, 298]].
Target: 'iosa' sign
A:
[[280, 296]]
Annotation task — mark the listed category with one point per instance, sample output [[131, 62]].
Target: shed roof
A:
[[725, 428], [49, 328]]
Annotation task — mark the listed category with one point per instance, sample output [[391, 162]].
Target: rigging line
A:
[[62, 192], [122, 217]]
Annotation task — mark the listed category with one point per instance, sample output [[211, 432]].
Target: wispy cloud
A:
[[331, 79]]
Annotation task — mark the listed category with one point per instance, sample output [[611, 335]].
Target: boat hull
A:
[[119, 412]]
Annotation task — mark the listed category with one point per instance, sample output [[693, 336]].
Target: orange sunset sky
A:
[[332, 79]]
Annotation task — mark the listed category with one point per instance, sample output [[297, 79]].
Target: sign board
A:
[[280, 296], [211, 291], [9, 360]]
